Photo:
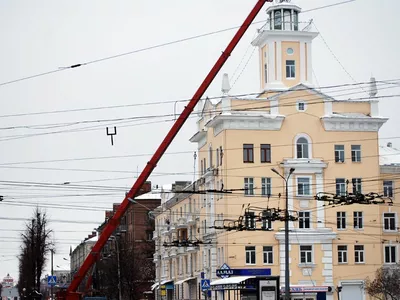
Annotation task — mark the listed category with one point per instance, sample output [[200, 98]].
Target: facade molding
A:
[[333, 123], [245, 122]]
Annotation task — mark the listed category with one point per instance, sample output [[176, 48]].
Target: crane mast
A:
[[70, 293]]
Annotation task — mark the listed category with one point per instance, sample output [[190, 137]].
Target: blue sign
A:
[[205, 284], [225, 271], [51, 280]]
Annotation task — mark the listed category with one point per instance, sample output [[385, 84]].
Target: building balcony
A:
[[192, 249], [181, 250], [165, 254], [173, 251], [172, 228], [191, 219], [155, 235], [182, 222]]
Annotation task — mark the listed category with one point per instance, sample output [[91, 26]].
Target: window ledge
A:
[[308, 265]]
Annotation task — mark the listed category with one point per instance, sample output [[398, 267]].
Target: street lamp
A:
[[113, 238], [287, 273]]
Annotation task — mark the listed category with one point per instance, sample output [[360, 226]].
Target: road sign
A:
[[51, 280], [205, 284]]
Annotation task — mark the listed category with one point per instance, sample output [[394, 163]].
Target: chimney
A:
[[390, 144]]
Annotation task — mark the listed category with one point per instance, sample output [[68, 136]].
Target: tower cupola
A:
[[284, 48], [283, 15]]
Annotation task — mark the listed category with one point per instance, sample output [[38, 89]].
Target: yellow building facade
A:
[[332, 147]]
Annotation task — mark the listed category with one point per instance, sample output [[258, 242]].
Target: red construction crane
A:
[[112, 224]]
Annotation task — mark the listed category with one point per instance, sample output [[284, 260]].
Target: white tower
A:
[[284, 48]]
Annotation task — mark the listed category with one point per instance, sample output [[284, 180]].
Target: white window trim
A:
[[396, 220], [362, 220], [347, 254], [290, 78], [393, 187], [311, 186], [307, 264], [345, 220], [307, 137], [297, 105], [255, 256], [396, 252], [363, 251], [273, 258], [311, 227]]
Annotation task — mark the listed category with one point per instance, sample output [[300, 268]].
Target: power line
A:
[[148, 48]]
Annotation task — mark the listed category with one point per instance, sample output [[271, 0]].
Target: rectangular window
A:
[[250, 255], [341, 220], [266, 186], [268, 255], [356, 153], [389, 221], [359, 254], [306, 254], [221, 155], [248, 153], [358, 220], [304, 219], [388, 188], [303, 186], [265, 153], [290, 69], [249, 186], [340, 187], [356, 182], [339, 153], [217, 157], [390, 254], [342, 254], [266, 73]]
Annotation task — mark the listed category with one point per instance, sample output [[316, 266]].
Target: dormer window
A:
[[302, 148]]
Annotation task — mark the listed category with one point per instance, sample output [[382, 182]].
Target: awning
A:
[[231, 280], [166, 281], [154, 286], [184, 280]]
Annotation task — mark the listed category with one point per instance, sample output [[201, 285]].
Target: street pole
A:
[[118, 268], [287, 270], [52, 270]]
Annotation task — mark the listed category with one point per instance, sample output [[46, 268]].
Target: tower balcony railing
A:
[[288, 26]]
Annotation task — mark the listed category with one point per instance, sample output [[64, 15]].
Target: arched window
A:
[[302, 148]]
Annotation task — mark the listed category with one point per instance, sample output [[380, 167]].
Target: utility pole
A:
[[52, 270], [118, 267], [287, 270]]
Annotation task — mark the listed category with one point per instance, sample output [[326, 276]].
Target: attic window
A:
[[301, 106]]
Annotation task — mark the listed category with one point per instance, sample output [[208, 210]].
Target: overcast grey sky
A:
[[43, 36]]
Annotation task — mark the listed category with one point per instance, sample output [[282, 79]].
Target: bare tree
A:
[[35, 247], [136, 270], [386, 285]]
